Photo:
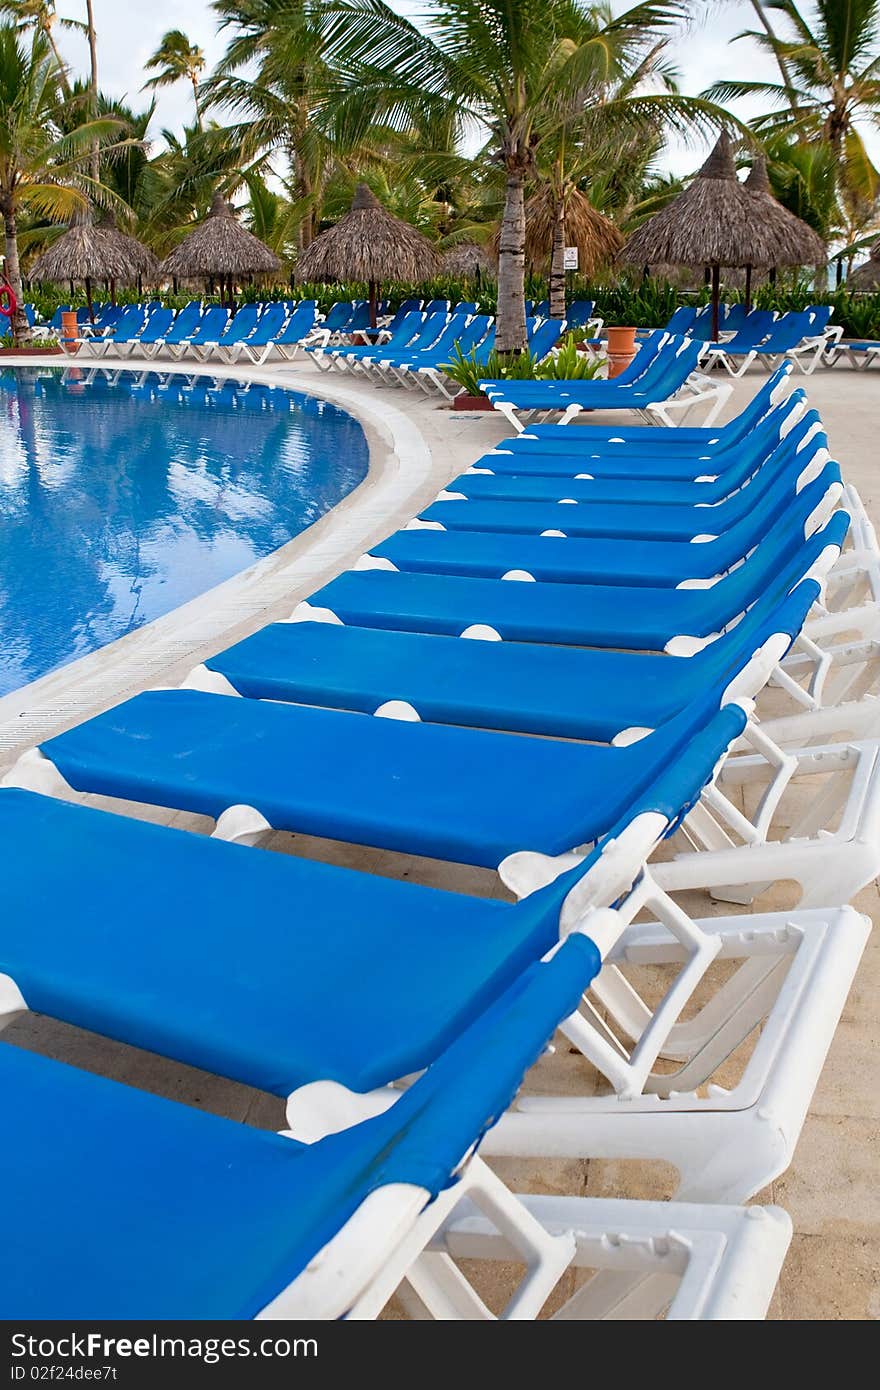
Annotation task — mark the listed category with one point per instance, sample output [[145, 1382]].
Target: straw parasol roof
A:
[[867, 277], [369, 243], [594, 234], [713, 222], [146, 264], [468, 259], [796, 242], [219, 247], [85, 252]]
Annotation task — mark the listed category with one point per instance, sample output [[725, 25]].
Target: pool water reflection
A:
[[124, 495]]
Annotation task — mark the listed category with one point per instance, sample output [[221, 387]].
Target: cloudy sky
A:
[[130, 30]]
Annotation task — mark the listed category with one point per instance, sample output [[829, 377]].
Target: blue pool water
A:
[[121, 499]]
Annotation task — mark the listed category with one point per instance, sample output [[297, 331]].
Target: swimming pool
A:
[[124, 495]]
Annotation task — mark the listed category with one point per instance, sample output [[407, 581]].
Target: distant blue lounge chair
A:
[[242, 323], [647, 386], [348, 358], [738, 352], [287, 340], [209, 329], [185, 323], [154, 330], [269, 323]]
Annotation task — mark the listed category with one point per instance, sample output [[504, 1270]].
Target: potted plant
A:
[[621, 335], [467, 373]]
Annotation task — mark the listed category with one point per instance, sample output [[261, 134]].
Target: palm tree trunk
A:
[[557, 264], [20, 331], [787, 83], [510, 332], [195, 86], [93, 87], [63, 79]]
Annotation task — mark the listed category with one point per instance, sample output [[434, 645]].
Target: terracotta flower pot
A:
[[463, 402], [69, 331], [621, 349]]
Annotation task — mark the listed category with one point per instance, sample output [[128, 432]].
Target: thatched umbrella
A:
[[714, 222], [867, 277], [797, 243], [468, 260], [220, 248], [145, 263], [85, 252], [369, 243], [595, 235]]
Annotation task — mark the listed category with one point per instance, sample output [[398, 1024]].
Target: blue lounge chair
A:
[[129, 325], [738, 352], [185, 323], [580, 313], [438, 306], [450, 793], [269, 324], [209, 328], [636, 451], [240, 325], [521, 687], [653, 619], [804, 339], [287, 341], [649, 391], [781, 475], [570, 476], [402, 368], [203, 1217], [349, 358], [153, 331]]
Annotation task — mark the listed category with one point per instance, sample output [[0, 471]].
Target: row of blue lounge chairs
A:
[[554, 702]]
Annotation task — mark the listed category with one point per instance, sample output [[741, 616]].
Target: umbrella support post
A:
[[716, 296]]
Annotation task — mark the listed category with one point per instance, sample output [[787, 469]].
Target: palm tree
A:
[[500, 66], [270, 76], [830, 69], [41, 167], [176, 59], [40, 14], [616, 117]]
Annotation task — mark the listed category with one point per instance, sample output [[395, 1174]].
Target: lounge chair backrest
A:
[[271, 321], [410, 306], [542, 309], [788, 332], [211, 325], [454, 332], [735, 318], [157, 326], [470, 333], [757, 326], [241, 324], [579, 313], [360, 318], [820, 317], [300, 323], [544, 337], [429, 333], [437, 306], [338, 316], [406, 330], [186, 322], [465, 306]]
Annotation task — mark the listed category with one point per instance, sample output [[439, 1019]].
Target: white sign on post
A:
[[571, 258]]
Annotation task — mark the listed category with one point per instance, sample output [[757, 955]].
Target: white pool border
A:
[[400, 465]]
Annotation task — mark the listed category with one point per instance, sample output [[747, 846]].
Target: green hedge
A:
[[648, 304]]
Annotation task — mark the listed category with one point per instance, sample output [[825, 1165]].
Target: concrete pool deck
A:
[[830, 1189]]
